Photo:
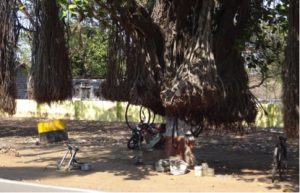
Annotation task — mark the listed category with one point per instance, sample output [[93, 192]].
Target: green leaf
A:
[[72, 7], [21, 7], [63, 14]]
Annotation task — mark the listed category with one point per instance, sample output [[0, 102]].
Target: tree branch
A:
[[263, 80]]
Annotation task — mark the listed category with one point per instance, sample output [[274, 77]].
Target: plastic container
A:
[[204, 165], [210, 172], [198, 170], [204, 169], [178, 167], [162, 165], [85, 167]]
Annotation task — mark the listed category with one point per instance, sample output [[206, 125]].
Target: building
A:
[[21, 81], [83, 89]]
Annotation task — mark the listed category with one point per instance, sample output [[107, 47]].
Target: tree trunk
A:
[[237, 103], [188, 67], [8, 44], [189, 61], [50, 68], [291, 74]]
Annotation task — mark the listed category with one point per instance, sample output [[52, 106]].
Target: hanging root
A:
[[168, 61], [52, 79], [8, 41]]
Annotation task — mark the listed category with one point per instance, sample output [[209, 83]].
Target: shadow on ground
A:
[[247, 158]]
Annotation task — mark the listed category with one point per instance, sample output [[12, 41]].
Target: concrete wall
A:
[[78, 110], [273, 118], [115, 111]]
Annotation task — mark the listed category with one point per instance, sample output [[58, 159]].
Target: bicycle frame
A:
[[279, 158], [72, 163], [143, 131]]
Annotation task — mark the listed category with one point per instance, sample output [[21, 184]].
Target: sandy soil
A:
[[241, 163]]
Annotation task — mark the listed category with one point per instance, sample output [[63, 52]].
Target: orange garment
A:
[[178, 148]]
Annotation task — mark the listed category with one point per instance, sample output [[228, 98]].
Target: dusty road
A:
[[16, 186], [241, 163]]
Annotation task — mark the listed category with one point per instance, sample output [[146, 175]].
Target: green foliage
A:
[[72, 7], [24, 51], [264, 50], [87, 39], [88, 52], [273, 118], [119, 111], [78, 109], [265, 34]]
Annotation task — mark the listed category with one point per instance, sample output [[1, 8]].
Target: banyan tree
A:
[[181, 60], [8, 43], [51, 73]]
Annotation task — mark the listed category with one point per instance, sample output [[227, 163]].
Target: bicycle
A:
[[144, 116], [279, 163], [151, 134], [72, 163]]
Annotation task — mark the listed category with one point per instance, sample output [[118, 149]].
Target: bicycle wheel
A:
[[283, 167], [274, 171], [145, 115], [132, 143], [280, 165], [152, 117], [129, 118]]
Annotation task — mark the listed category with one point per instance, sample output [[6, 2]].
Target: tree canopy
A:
[[88, 46], [183, 59]]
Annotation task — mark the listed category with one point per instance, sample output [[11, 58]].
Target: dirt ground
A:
[[241, 163]]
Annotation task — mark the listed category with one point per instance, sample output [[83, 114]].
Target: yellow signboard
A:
[[50, 126]]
